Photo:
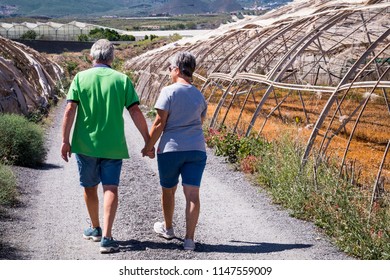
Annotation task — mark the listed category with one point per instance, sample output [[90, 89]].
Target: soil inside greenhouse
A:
[[365, 152]]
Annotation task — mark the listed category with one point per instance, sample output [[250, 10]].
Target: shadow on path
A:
[[8, 252], [49, 166], [135, 245], [247, 248], [250, 247]]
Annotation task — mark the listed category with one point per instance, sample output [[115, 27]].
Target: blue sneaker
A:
[[94, 234], [109, 245]]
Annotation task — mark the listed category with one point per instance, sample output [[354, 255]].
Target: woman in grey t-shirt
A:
[[181, 109]]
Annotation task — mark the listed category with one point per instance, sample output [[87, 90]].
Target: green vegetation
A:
[[71, 66], [165, 23], [29, 35], [127, 38], [7, 186], [151, 114], [83, 38], [37, 115], [109, 34], [314, 192], [22, 142], [234, 147], [151, 37], [104, 33]]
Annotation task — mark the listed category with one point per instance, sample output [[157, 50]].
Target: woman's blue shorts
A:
[[189, 164]]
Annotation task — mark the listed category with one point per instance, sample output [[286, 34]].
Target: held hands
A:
[[149, 153], [66, 153]]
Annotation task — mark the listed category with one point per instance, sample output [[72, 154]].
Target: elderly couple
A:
[[99, 96]]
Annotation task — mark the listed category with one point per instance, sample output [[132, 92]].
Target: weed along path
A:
[[237, 221]]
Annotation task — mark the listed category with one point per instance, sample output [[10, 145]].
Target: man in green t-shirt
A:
[[98, 96]]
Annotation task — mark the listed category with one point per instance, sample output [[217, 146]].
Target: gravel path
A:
[[237, 220]]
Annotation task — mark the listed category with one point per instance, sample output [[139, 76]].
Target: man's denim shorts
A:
[[93, 170], [189, 164]]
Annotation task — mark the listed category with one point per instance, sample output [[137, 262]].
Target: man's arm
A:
[[69, 115], [139, 121]]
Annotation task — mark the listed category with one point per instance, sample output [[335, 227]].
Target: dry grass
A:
[[369, 139]]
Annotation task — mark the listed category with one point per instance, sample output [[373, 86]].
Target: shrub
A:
[[7, 185], [249, 164], [71, 67], [104, 33], [29, 35], [117, 64], [226, 144], [38, 114], [232, 146], [21, 142], [152, 37], [127, 38], [252, 146], [83, 38], [152, 114], [228, 147]]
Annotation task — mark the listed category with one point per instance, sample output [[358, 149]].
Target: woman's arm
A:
[[156, 129]]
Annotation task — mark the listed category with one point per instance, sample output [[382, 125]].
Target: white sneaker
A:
[[189, 244], [160, 229]]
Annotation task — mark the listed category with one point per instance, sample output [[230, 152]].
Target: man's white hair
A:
[[102, 51]]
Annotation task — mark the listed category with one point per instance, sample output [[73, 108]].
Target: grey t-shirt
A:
[[185, 105]]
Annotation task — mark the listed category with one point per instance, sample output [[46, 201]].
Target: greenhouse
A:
[[319, 69], [47, 31]]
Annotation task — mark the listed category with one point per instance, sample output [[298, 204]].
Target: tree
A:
[[127, 38], [104, 33], [29, 35], [83, 38], [152, 37]]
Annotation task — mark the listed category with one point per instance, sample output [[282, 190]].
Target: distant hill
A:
[[196, 7], [183, 7], [75, 8], [221, 6]]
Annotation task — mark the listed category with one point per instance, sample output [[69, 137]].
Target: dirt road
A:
[[237, 220]]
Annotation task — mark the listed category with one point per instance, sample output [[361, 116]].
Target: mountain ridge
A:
[[60, 8]]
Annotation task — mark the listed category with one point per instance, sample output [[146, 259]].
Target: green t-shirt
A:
[[102, 94]]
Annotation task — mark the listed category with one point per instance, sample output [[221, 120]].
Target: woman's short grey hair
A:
[[185, 61], [102, 51]]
